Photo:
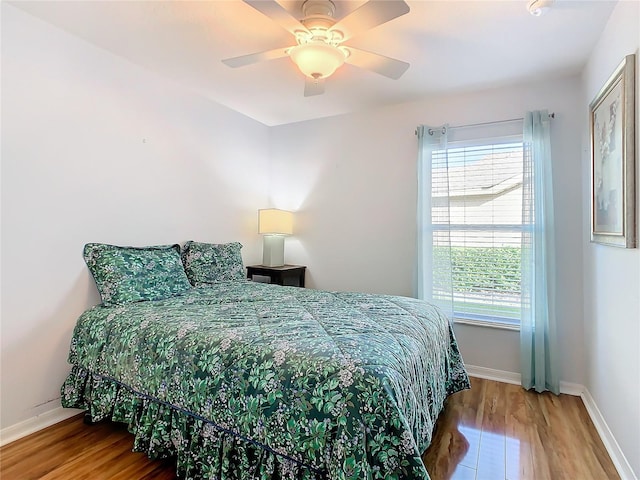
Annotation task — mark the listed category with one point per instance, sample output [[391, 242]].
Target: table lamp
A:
[[274, 224]]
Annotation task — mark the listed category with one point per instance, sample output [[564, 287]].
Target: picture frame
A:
[[612, 129]]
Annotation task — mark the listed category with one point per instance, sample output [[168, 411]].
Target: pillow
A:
[[134, 274], [207, 263]]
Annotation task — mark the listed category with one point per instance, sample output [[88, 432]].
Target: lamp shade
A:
[[272, 221], [317, 59]]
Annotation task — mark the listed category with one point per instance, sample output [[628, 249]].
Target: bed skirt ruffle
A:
[[202, 449]]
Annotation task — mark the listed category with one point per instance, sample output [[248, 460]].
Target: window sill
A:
[[484, 323]]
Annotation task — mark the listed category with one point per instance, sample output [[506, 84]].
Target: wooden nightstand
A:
[[290, 275]]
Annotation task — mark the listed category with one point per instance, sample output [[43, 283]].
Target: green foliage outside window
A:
[[486, 268]]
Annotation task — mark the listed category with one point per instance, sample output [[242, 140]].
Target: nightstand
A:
[[290, 275]]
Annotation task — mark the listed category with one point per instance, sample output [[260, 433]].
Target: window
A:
[[476, 216]]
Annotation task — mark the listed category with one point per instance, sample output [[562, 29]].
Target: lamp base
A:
[[273, 251]]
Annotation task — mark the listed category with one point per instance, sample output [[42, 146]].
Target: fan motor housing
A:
[[318, 14], [318, 7]]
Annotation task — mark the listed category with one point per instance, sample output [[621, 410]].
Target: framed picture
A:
[[613, 195]]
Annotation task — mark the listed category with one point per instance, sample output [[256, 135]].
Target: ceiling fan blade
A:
[[313, 86], [389, 67], [370, 15], [275, 12], [243, 60]]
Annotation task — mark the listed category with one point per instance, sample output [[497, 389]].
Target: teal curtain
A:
[[538, 341], [434, 281]]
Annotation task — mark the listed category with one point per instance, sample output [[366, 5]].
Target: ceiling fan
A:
[[319, 48]]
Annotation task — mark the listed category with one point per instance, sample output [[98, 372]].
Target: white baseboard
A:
[[611, 445], [492, 374], [619, 460], [32, 425], [568, 388]]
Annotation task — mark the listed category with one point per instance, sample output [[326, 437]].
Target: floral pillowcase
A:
[[134, 274], [207, 263]]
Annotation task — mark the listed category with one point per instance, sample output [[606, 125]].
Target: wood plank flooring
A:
[[495, 431], [498, 431]]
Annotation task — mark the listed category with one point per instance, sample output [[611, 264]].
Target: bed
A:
[[238, 379]]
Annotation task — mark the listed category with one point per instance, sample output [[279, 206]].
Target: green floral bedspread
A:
[[247, 380]]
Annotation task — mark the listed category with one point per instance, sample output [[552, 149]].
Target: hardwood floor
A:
[[498, 431], [495, 431]]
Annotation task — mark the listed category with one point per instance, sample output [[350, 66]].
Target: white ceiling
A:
[[451, 46]]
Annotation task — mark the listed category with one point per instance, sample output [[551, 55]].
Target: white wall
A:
[[612, 275], [95, 149], [353, 180]]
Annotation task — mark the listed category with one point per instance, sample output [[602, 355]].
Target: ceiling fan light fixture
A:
[[317, 59], [319, 36], [537, 8]]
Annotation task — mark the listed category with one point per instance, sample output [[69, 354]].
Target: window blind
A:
[[476, 214]]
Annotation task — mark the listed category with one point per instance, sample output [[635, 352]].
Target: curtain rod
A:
[[551, 115]]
